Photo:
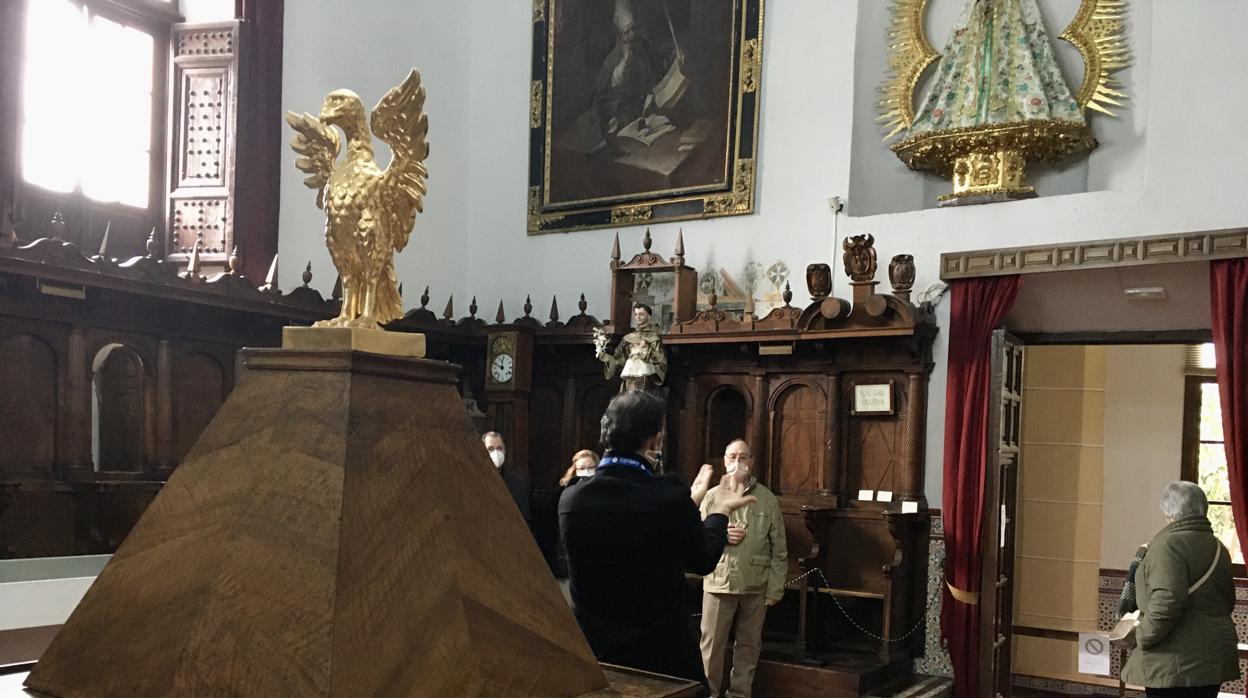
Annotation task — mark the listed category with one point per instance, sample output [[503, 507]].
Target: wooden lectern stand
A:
[[336, 531]]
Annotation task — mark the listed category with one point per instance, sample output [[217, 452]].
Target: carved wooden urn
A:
[[819, 280]]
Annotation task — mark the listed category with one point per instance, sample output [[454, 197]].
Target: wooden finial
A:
[[554, 309], [582, 304], [270, 279], [680, 247], [103, 253], [153, 245], [449, 313], [500, 317], [646, 242], [307, 274], [472, 307], [615, 251], [233, 261], [57, 226], [192, 264], [424, 298], [787, 295], [528, 304]]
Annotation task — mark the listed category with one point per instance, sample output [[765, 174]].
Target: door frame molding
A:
[[1229, 243]]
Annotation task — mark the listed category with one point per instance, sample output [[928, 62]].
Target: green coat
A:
[[1182, 640], [760, 561]]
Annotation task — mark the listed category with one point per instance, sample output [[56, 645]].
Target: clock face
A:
[[502, 368]]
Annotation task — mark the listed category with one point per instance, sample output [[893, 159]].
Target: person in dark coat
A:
[[629, 537], [516, 484], [1186, 644]]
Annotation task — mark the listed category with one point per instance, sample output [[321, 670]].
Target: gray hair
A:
[[488, 434], [1183, 499]]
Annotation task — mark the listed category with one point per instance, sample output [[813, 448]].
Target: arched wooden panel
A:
[[118, 410], [727, 419], [28, 429], [797, 440], [875, 446], [593, 404], [198, 391], [545, 432]]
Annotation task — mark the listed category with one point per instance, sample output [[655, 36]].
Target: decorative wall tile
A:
[[935, 660]]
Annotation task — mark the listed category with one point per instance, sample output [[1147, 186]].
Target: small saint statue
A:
[[639, 357]]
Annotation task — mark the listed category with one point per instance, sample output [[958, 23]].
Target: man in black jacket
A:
[[516, 485], [630, 535]]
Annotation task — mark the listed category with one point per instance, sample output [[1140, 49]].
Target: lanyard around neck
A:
[[623, 462]]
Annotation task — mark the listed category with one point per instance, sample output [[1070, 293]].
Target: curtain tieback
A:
[[970, 598]]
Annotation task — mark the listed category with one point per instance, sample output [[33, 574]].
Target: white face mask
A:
[[498, 457], [586, 472]]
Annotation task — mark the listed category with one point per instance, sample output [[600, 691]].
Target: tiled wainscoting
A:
[[935, 660]]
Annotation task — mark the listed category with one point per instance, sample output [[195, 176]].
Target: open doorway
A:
[[1106, 427], [1119, 399]]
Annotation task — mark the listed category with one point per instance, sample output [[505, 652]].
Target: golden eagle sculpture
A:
[[369, 212]]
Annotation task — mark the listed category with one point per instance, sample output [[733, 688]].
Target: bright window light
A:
[[87, 106]]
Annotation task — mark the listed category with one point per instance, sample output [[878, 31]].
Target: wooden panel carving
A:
[[199, 388], [593, 404], [797, 437], [205, 220], [546, 459], [120, 387], [201, 152], [207, 42], [28, 377], [875, 446], [727, 419], [201, 199]]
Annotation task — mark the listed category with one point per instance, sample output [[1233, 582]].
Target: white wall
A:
[[1143, 444], [475, 57], [369, 47]]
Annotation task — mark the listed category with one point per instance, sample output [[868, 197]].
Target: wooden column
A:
[[912, 458], [567, 434], [758, 428], [834, 478], [75, 438], [164, 407]]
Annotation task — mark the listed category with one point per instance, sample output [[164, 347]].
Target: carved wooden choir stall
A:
[[120, 364], [832, 397]]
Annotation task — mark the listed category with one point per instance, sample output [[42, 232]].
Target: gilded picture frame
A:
[[642, 111]]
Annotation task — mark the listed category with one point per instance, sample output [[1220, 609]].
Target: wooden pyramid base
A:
[[336, 531]]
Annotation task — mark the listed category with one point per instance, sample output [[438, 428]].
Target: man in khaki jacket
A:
[[748, 579]]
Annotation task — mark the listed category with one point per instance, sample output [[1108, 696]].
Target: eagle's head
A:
[[342, 108]]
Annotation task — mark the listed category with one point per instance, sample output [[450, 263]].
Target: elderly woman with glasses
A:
[[1185, 639]]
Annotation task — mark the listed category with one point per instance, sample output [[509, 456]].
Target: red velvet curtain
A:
[[258, 165], [978, 306], [1228, 285]]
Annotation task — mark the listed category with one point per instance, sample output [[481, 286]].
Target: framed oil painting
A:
[[642, 111]]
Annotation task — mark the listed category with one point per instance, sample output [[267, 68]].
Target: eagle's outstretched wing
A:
[[399, 119], [317, 146], [909, 55], [1097, 31]]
